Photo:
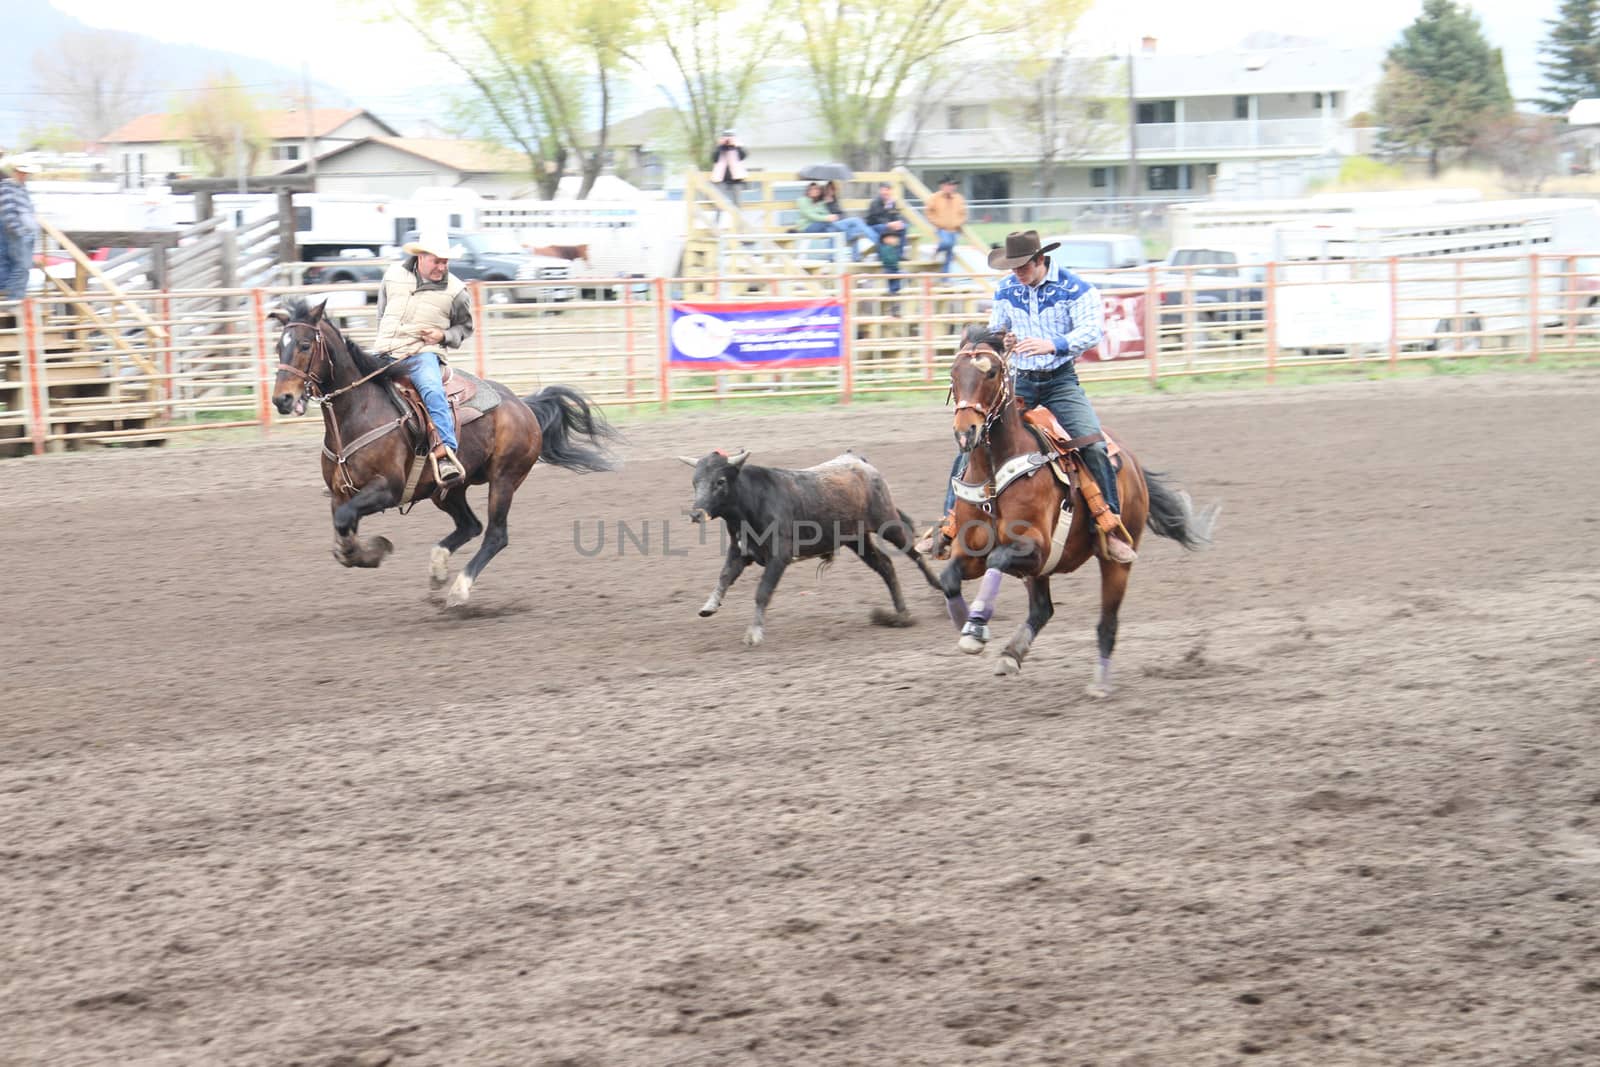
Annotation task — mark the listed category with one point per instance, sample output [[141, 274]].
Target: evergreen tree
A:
[[1443, 82], [1570, 56]]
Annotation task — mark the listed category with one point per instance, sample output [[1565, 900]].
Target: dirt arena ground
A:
[[1344, 809]]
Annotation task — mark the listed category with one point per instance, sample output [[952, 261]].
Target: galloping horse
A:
[[372, 443], [1011, 524]]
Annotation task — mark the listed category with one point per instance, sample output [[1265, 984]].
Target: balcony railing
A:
[[1017, 142]]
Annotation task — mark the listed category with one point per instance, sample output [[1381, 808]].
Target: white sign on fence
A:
[[1334, 315]]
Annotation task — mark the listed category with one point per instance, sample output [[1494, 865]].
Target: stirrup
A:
[[1118, 549], [447, 468]]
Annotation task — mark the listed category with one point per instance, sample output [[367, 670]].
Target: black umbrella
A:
[[825, 172]]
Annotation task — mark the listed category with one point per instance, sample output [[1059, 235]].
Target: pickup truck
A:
[[1101, 258], [489, 257], [1214, 282]]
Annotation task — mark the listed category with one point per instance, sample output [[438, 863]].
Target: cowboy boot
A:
[[1117, 547], [936, 540], [447, 468], [1115, 541]]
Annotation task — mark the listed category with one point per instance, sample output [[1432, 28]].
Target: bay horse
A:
[[371, 443], [1010, 527]]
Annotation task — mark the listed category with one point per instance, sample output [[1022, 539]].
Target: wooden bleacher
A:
[[725, 243]]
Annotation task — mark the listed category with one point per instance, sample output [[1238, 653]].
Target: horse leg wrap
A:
[[988, 588], [957, 607]]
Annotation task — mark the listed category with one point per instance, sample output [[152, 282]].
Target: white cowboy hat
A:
[[435, 245], [26, 168]]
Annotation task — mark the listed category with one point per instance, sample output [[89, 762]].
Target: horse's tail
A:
[[565, 415], [1173, 514]]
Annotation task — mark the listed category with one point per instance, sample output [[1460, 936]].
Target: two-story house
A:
[[1241, 122], [149, 148]]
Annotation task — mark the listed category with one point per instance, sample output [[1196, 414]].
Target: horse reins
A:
[[319, 350]]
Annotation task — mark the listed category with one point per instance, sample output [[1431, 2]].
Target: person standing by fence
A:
[[947, 213], [19, 231]]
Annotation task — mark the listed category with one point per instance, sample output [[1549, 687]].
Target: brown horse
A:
[[372, 443], [1009, 526]]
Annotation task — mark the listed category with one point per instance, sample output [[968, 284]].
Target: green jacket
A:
[[812, 210]]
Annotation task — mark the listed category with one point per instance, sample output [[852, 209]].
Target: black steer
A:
[[776, 516]]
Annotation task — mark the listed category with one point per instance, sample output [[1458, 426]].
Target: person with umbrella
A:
[[820, 213]]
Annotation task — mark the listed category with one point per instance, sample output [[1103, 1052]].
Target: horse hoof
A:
[[460, 592], [753, 637], [972, 646], [1008, 665], [885, 617], [706, 613], [438, 567], [1098, 690]]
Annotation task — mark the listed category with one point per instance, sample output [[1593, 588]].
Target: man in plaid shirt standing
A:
[[19, 232], [1056, 317]]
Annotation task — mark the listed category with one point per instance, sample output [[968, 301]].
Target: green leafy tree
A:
[[714, 54], [221, 122], [1570, 56], [544, 73], [862, 56], [1442, 83]]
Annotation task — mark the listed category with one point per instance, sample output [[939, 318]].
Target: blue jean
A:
[[423, 369], [889, 254], [1067, 401], [947, 248], [1065, 398], [18, 260], [855, 230]]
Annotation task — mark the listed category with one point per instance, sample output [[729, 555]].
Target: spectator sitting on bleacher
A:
[[853, 228], [885, 220]]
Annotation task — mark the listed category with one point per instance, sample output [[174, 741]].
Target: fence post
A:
[[1272, 322], [480, 359], [1535, 326], [927, 327], [627, 339], [1394, 312], [663, 347], [38, 391], [847, 345], [258, 327], [1152, 325]]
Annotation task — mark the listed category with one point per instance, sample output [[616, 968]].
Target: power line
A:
[[152, 92]]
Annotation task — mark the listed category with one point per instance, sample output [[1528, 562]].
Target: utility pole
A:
[[311, 133]]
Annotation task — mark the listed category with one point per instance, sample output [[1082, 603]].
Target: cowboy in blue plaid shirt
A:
[[1055, 317]]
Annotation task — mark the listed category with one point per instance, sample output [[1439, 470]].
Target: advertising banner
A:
[[761, 334]]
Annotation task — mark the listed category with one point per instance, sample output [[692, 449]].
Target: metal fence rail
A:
[[145, 365]]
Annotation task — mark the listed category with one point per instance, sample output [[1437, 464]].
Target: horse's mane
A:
[[299, 309], [980, 334]]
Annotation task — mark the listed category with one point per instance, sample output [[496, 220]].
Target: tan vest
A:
[[406, 309]]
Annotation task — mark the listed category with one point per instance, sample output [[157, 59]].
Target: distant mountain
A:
[[36, 26]]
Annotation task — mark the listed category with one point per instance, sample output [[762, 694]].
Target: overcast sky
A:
[[381, 61]]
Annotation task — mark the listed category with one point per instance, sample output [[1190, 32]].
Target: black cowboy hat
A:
[[1021, 246]]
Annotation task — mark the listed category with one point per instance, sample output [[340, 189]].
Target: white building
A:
[[151, 147], [1247, 122], [398, 166]]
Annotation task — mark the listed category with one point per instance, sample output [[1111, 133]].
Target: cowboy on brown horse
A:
[[423, 309], [1026, 506], [1050, 317]]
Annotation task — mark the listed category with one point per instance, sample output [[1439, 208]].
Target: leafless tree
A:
[[93, 80]]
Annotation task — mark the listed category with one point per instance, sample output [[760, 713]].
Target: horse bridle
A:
[[319, 355], [989, 414]]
